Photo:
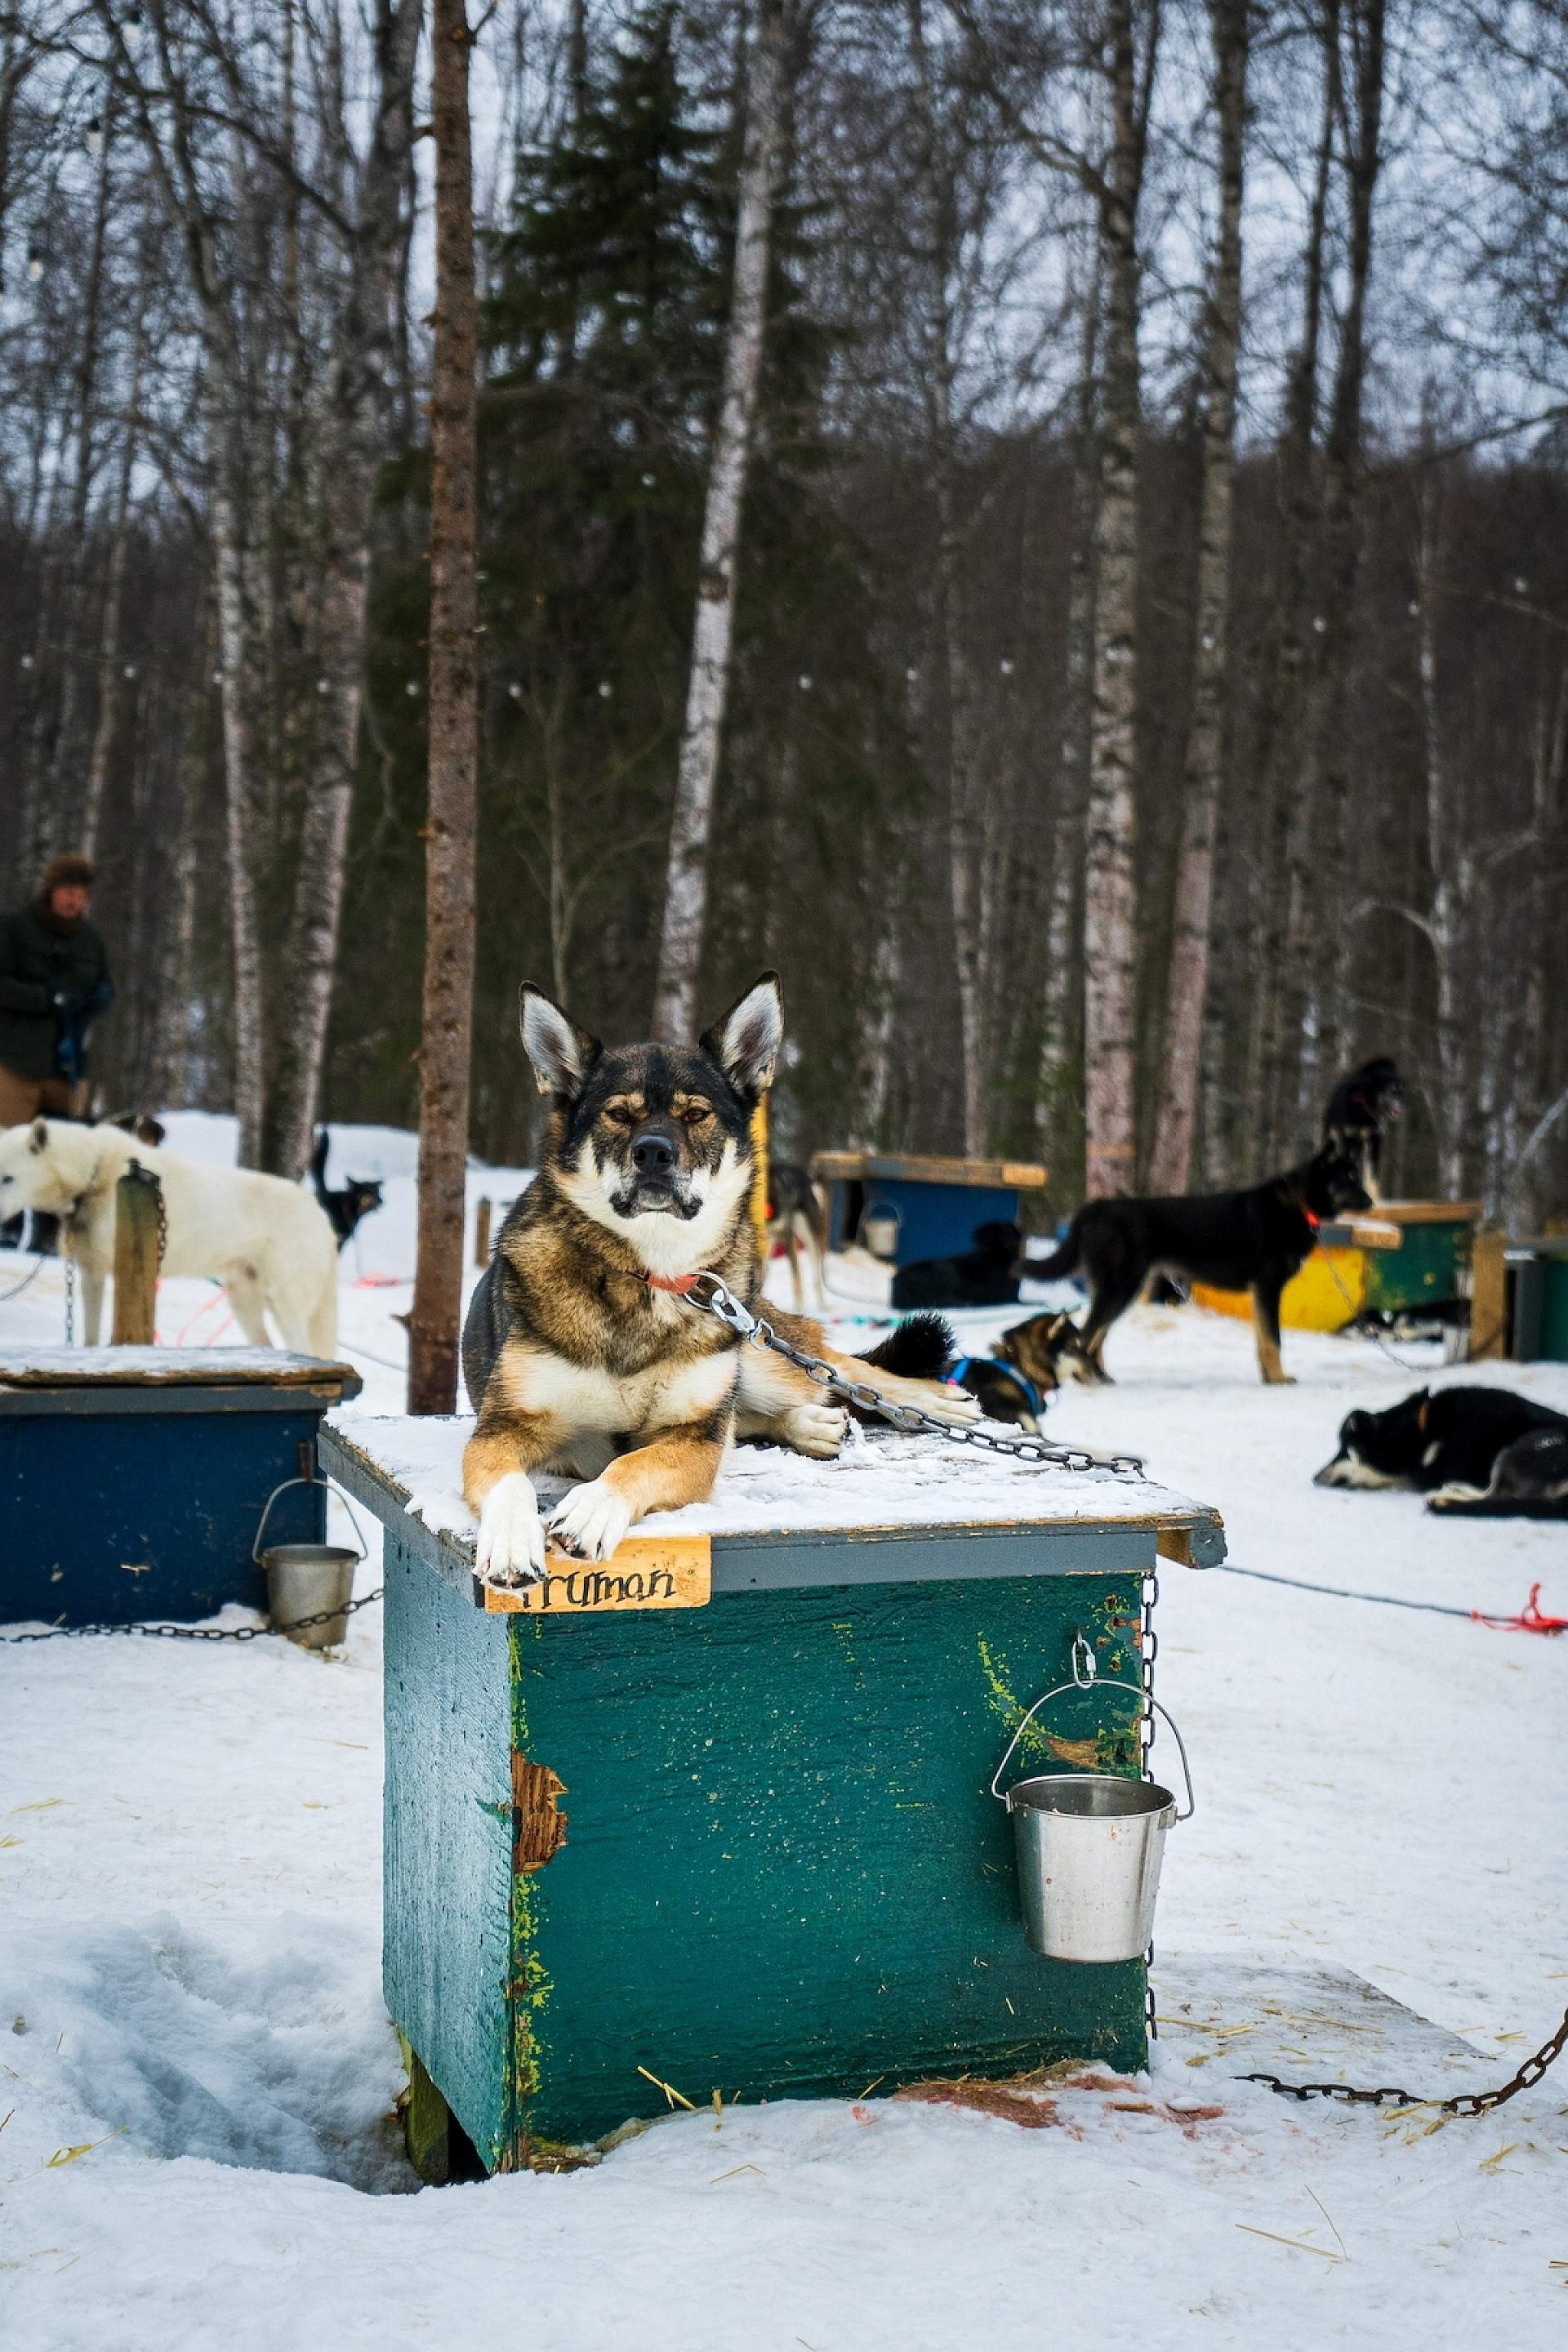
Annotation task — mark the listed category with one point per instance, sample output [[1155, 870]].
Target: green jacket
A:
[[51, 986]]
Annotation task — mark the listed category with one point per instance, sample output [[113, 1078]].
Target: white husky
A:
[[264, 1239]]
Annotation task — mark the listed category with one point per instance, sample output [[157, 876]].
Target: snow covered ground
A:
[[198, 2083]]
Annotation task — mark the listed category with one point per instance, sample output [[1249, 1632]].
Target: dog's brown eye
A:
[[694, 1114], [621, 1115]]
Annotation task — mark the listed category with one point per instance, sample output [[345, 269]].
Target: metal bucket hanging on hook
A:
[[308, 1580], [1090, 1846]]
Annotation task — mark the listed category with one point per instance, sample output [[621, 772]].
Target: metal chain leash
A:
[[198, 1633], [160, 1212], [1149, 1646], [1464, 2103], [718, 1299]]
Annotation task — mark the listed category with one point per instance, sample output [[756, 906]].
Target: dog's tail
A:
[[1064, 1260], [319, 1162], [919, 1350]]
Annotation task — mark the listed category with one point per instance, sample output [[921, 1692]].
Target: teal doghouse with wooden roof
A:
[[715, 1818]]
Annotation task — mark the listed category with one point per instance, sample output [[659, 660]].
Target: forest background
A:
[[1149, 679]]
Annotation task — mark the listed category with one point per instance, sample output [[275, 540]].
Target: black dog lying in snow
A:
[[354, 1201], [985, 1275], [1478, 1452]]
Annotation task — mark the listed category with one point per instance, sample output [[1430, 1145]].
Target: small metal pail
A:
[[314, 1583], [1088, 1848], [880, 1229]]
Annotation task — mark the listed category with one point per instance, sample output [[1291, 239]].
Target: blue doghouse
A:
[[133, 1479], [913, 1207]]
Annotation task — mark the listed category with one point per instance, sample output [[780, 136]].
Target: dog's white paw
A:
[[953, 1407], [816, 1429], [590, 1521], [510, 1548]]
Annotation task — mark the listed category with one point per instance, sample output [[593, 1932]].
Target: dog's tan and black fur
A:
[[580, 1352]]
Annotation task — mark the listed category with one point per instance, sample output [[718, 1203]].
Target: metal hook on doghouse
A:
[[1091, 1680]]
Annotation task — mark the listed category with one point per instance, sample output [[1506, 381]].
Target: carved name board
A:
[[645, 1572]]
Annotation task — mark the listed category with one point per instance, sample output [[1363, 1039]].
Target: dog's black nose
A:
[[652, 1154]]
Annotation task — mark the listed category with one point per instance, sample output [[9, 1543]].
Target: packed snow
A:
[[197, 2076]]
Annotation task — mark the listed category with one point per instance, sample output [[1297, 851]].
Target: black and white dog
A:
[[1482, 1453]]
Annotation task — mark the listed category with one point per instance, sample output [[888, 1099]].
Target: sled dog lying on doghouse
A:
[[1478, 1452], [583, 1352], [1251, 1241], [264, 1239]]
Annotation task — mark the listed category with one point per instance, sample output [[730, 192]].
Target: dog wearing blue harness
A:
[[1013, 1383]]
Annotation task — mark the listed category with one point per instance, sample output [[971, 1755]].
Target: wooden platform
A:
[[743, 1842]]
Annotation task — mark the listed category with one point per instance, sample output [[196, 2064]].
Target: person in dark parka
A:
[[53, 982]]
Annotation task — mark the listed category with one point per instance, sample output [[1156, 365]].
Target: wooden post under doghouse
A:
[[138, 1205], [1489, 1296], [717, 1814], [482, 1233]]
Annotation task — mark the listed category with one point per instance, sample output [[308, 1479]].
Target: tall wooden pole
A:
[[446, 1033]]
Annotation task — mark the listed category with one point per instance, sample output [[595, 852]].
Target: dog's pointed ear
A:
[[40, 1138], [562, 1053], [745, 1043]]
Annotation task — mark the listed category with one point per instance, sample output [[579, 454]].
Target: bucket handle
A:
[[317, 1481], [1096, 1683]]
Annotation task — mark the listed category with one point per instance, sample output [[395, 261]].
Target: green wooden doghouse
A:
[[716, 1817]]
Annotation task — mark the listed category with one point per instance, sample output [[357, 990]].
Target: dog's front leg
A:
[[784, 1405], [91, 1304], [679, 1465], [505, 1446]]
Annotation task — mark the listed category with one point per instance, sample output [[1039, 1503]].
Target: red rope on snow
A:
[[1532, 1618]]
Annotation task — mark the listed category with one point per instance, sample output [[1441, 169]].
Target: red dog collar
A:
[[1313, 1221], [679, 1283]]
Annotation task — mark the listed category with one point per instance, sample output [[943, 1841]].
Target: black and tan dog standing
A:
[[582, 1351], [1253, 1241]]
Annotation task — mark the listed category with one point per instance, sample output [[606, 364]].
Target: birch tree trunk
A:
[[109, 662], [1187, 990], [967, 861], [244, 922], [1281, 993], [62, 794], [1072, 762], [1449, 924], [1110, 1008], [351, 457], [1327, 745], [686, 878], [446, 1035]]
